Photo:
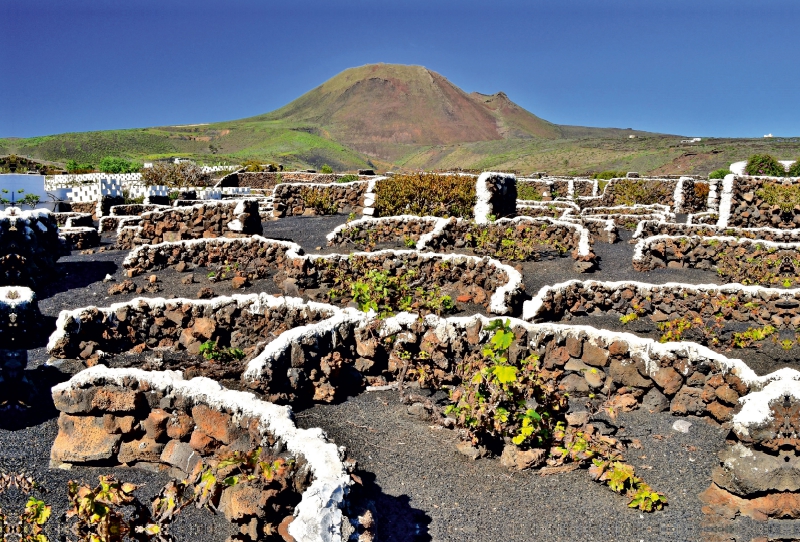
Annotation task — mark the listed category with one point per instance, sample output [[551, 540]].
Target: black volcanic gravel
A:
[[421, 487]]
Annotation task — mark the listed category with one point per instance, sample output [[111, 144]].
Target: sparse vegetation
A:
[[426, 194], [719, 173], [182, 175]]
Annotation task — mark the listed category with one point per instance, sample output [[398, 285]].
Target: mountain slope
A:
[[382, 109]]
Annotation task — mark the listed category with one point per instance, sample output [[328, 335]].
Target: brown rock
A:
[[118, 424], [627, 374], [574, 383], [145, 449], [720, 412], [74, 401], [205, 293], [83, 438], [153, 279], [574, 347], [514, 458], [618, 348], [180, 455], [123, 287], [113, 399], [668, 379], [556, 358], [204, 327], [213, 423], [688, 401], [202, 442], [594, 355], [244, 500], [726, 394], [239, 282], [155, 425], [178, 427]]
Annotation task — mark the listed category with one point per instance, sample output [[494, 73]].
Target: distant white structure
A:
[[769, 135], [693, 140], [631, 136]]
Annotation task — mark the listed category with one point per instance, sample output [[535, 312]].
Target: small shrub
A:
[[764, 164], [608, 175], [794, 169], [426, 194], [110, 164], [322, 200], [180, 175], [349, 178], [701, 191], [786, 197], [718, 173], [528, 191], [252, 165], [637, 191], [326, 169], [76, 168]]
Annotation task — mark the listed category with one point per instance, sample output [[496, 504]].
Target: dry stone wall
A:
[[752, 202], [311, 199], [749, 261], [29, 247], [204, 220], [128, 416]]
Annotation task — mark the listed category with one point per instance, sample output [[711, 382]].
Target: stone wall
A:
[[446, 235], [495, 285], [204, 220], [600, 229], [157, 419], [256, 257], [295, 199], [267, 180], [542, 236], [29, 247], [749, 261], [496, 196], [80, 238], [74, 220], [368, 231], [650, 228], [728, 308], [679, 194], [240, 321], [757, 475], [744, 202]]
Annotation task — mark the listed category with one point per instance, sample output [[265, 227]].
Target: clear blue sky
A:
[[691, 67]]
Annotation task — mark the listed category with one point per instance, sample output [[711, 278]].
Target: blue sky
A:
[[724, 68]]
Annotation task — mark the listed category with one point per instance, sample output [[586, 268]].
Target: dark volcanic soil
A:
[[418, 483]]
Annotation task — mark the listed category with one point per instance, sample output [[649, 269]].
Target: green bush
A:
[[74, 167], [638, 191], [530, 192], [719, 173], [326, 169], [110, 164], [794, 169], [608, 175], [252, 165], [347, 178], [425, 194], [764, 164]]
